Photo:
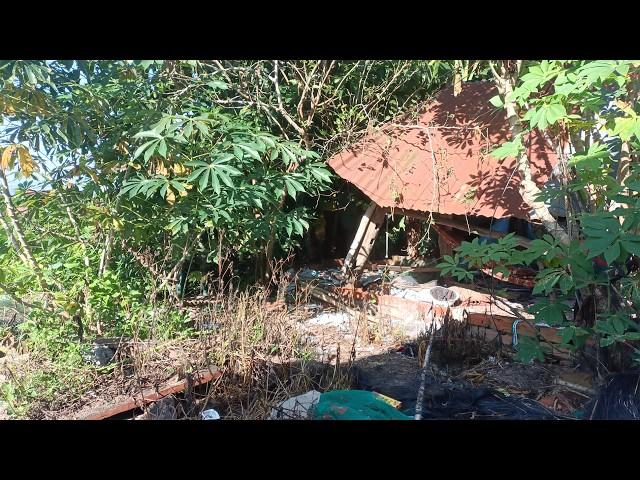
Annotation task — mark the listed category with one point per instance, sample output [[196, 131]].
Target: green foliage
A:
[[551, 312], [594, 104], [452, 266], [477, 254], [530, 349], [128, 168]]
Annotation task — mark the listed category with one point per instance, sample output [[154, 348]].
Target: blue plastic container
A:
[[499, 226]]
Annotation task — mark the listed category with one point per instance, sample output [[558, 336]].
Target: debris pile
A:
[[472, 376]]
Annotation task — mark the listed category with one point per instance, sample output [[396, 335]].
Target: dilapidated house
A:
[[436, 165]]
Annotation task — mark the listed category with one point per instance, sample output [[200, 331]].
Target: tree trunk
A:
[[528, 188], [26, 253], [105, 257]]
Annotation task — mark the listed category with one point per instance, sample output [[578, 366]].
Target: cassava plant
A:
[[588, 112]]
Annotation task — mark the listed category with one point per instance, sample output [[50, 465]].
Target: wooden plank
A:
[[151, 395], [357, 239], [370, 235], [400, 268], [458, 225]]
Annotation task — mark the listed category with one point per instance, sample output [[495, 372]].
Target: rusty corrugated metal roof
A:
[[439, 163]]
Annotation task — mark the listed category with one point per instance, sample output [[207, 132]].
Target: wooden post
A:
[[357, 240], [371, 233]]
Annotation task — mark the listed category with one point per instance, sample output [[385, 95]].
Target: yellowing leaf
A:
[[122, 148], [625, 107], [7, 157], [161, 169], [182, 193], [171, 197], [6, 106], [91, 173], [178, 168], [27, 164]]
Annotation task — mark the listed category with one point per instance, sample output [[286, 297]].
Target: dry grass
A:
[[252, 335]]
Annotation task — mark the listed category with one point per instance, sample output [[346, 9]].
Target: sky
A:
[[12, 178]]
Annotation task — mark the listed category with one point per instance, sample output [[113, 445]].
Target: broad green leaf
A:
[[633, 247], [218, 85], [162, 148], [508, 149], [214, 182], [496, 101], [612, 253], [252, 152], [204, 179], [148, 134]]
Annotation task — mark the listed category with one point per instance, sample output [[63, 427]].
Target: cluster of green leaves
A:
[[212, 172], [594, 102], [477, 254]]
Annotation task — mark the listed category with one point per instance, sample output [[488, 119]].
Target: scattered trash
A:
[[100, 355], [440, 296], [210, 414], [444, 296], [369, 278], [163, 409], [340, 320], [296, 408], [355, 405], [314, 307], [403, 281], [326, 278], [391, 401]]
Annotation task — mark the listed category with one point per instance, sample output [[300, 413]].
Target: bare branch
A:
[[281, 108]]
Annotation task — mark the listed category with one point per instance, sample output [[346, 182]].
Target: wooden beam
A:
[[402, 268], [149, 396], [357, 240], [370, 235], [459, 225]]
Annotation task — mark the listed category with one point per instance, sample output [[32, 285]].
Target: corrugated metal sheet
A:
[[439, 163]]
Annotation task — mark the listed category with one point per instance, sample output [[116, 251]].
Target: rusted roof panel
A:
[[439, 163]]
